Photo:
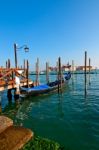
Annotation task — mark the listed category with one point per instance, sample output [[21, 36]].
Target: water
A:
[[72, 119]]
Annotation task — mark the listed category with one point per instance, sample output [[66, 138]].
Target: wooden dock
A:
[[12, 85], [8, 82]]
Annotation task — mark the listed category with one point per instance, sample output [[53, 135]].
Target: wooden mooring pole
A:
[[15, 54], [59, 76], [89, 65], [72, 67], [6, 64], [37, 71], [9, 63], [24, 66], [47, 72], [89, 70], [85, 71], [72, 70], [57, 69]]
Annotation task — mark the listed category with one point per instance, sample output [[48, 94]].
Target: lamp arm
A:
[[21, 47]]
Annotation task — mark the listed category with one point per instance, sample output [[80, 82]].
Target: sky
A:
[[51, 29]]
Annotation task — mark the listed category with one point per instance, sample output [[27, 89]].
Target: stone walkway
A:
[[12, 137]]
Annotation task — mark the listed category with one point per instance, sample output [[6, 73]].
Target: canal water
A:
[[72, 118]]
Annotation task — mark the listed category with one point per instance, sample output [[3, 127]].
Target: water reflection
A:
[[89, 79], [85, 90], [60, 106], [0, 108], [11, 107]]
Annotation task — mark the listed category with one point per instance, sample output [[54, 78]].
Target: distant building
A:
[[82, 68], [52, 69], [66, 67], [73, 68]]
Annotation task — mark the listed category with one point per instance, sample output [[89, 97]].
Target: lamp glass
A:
[[26, 49]]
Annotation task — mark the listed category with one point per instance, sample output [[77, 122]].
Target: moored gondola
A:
[[44, 88]]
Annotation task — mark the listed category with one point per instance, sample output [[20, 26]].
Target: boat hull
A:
[[46, 88]]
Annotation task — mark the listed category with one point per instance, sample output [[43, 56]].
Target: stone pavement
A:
[[13, 137]]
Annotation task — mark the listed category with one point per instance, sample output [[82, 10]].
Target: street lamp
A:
[[26, 49]]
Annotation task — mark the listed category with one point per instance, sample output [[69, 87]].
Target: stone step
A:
[[5, 122], [13, 138]]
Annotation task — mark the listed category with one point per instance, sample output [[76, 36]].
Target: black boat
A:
[[44, 88]]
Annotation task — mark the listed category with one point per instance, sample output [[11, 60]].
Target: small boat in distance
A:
[[44, 88]]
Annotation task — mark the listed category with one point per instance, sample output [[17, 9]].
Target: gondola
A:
[[44, 88]]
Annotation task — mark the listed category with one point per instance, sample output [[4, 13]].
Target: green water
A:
[[72, 119]]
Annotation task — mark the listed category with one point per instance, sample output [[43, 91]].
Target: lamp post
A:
[[26, 49]]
